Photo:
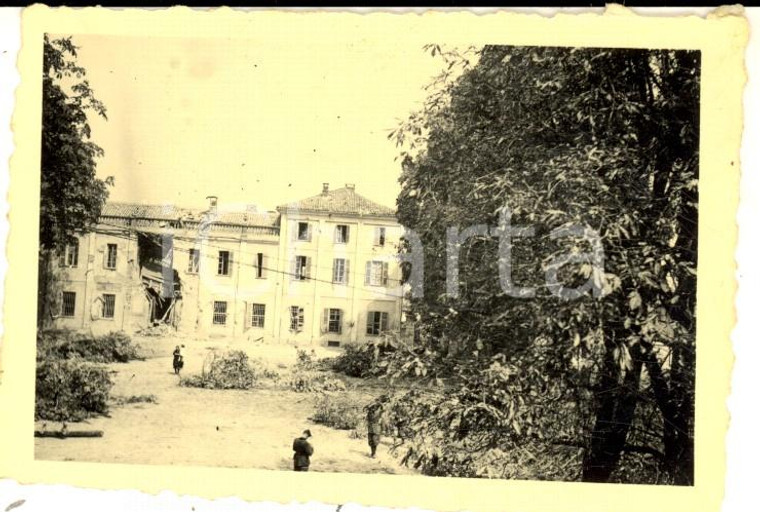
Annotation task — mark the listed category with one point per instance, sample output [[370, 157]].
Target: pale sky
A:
[[251, 123]]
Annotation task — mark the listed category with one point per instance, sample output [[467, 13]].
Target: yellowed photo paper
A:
[[431, 260]]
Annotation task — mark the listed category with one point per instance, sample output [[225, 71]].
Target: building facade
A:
[[323, 270]]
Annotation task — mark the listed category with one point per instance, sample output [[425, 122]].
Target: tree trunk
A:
[[616, 401], [676, 405]]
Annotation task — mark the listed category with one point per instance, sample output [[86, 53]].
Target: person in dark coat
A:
[[178, 363], [373, 428], [302, 452]]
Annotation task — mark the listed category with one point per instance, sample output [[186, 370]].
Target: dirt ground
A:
[[200, 427]]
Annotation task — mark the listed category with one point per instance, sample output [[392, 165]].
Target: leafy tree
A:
[[604, 138], [71, 196]]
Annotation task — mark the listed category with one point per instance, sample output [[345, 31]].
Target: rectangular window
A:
[[304, 231], [341, 234], [377, 322], [258, 312], [109, 305], [334, 320], [111, 251], [376, 273], [340, 271], [225, 263], [296, 319], [70, 255], [258, 265], [193, 261], [332, 343], [220, 312], [68, 303], [301, 270], [379, 237]]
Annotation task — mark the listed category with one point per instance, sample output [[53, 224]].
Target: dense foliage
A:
[[230, 370], [554, 138], [70, 387], [114, 347], [71, 195], [338, 411], [71, 390]]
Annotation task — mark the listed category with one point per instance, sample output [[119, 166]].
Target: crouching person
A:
[[302, 452]]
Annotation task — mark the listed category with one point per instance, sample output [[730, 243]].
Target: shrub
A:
[[356, 360], [302, 381], [230, 370], [339, 412], [64, 344], [71, 390]]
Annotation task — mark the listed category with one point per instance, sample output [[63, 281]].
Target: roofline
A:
[[289, 209]]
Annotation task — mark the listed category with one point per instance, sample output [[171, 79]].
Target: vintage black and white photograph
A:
[[472, 261]]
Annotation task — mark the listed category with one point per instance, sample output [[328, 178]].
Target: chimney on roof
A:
[[350, 186], [251, 208], [212, 200], [325, 188]]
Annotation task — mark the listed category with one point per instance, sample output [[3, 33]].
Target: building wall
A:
[[354, 298], [242, 287]]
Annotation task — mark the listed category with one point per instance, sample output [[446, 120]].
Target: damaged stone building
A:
[[322, 270]]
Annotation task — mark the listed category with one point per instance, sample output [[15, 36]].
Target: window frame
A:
[[73, 303], [342, 276], [219, 315], [259, 316], [301, 270], [105, 297], [306, 233], [380, 236], [335, 319], [109, 265], [378, 323], [193, 261], [66, 256], [258, 266], [297, 316], [371, 273], [224, 264], [341, 234]]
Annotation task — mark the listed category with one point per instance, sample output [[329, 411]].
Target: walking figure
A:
[[373, 428], [302, 452], [178, 363]]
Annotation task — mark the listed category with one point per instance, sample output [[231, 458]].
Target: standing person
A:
[[373, 427], [302, 452], [178, 363]]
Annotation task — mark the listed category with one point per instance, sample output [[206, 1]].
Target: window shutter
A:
[[335, 270], [370, 316], [307, 270], [263, 264], [229, 264], [325, 320], [105, 255], [340, 321], [348, 231], [385, 274], [367, 272], [376, 241], [300, 319], [293, 230], [383, 322], [345, 278], [308, 231], [336, 235]]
